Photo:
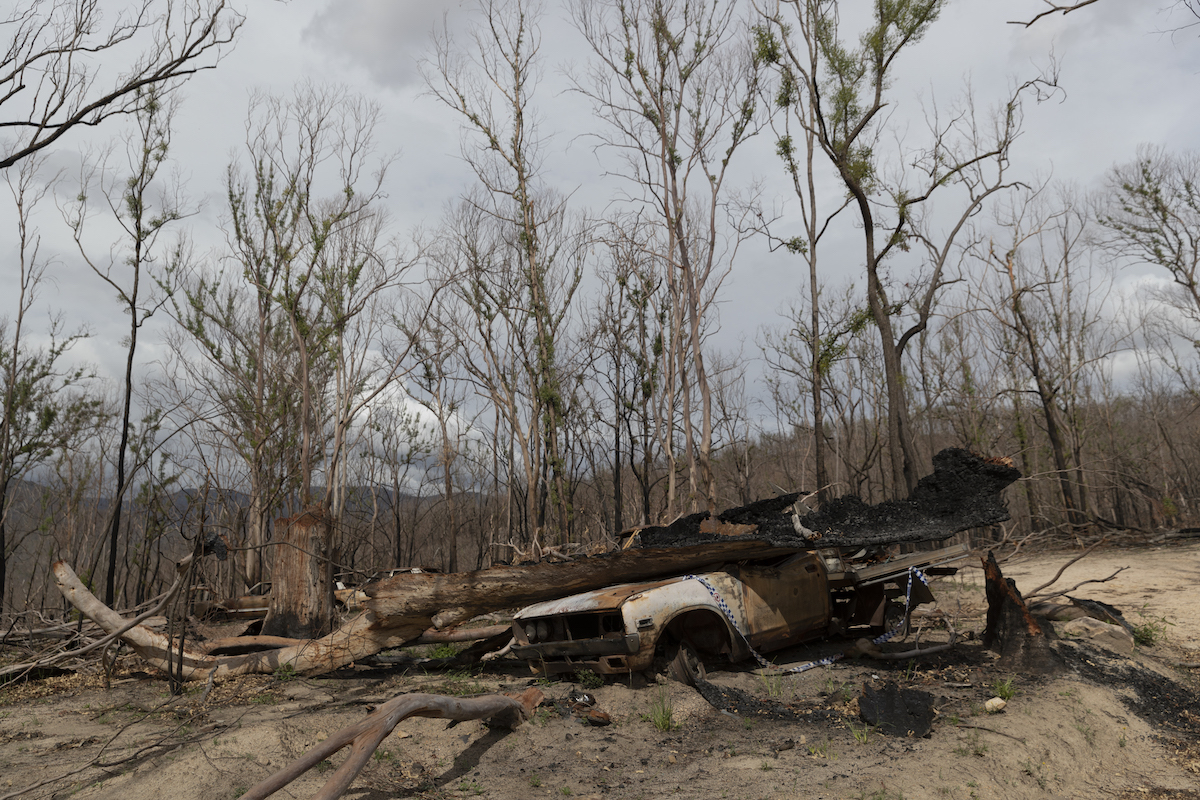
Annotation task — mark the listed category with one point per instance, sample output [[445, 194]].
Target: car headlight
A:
[[543, 631]]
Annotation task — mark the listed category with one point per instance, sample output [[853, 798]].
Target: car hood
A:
[[597, 600]]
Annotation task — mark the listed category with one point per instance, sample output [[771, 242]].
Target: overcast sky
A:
[[1126, 83]]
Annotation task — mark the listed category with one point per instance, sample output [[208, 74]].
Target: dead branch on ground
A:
[[990, 730], [917, 651], [364, 737], [116, 631], [359, 637]]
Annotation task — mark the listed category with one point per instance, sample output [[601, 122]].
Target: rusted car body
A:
[[785, 601]]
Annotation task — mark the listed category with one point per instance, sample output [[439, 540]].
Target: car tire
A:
[[686, 666]]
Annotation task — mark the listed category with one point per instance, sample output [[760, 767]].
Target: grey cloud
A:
[[385, 37]]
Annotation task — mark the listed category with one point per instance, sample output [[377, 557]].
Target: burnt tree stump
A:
[[301, 602], [1011, 630]]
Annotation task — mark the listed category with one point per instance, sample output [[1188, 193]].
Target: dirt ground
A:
[[1111, 726]]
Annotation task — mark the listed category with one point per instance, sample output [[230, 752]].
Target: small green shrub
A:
[[286, 672], [839, 692], [446, 650], [589, 679], [881, 794], [1150, 631], [1004, 689], [972, 746], [1034, 770]]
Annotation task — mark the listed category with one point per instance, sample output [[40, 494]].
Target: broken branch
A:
[[365, 736], [360, 636], [119, 627], [918, 651], [1051, 595], [1063, 569], [1054, 9]]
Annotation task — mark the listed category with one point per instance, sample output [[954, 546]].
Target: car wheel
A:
[[686, 666]]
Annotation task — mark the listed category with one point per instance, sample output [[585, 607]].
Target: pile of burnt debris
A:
[[964, 491]]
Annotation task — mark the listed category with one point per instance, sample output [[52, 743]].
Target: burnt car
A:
[[676, 623]]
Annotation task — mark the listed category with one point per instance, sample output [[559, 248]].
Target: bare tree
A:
[[677, 83], [1050, 297], [626, 335], [1153, 216], [134, 268], [1056, 8], [803, 354], [233, 364], [435, 386], [796, 143], [491, 86], [43, 405], [847, 89], [1190, 6], [75, 63], [398, 444], [291, 337]]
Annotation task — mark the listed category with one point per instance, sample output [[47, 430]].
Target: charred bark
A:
[[963, 491], [1011, 630]]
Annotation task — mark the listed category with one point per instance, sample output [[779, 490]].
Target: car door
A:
[[786, 603]]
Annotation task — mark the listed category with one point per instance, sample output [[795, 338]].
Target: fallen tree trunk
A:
[[451, 598], [361, 636], [244, 644], [963, 492], [411, 608], [365, 736]]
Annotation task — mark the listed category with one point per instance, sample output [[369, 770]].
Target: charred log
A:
[[963, 491]]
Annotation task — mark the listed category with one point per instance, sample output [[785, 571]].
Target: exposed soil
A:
[[1111, 727]]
